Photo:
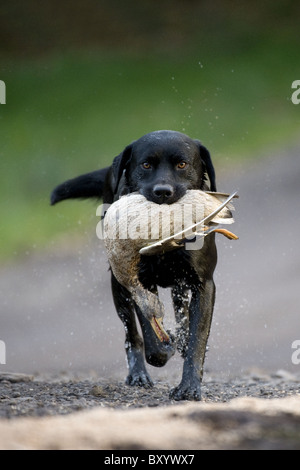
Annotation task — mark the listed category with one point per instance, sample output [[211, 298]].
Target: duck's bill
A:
[[159, 330], [226, 233]]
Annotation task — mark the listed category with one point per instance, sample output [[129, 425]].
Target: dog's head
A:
[[162, 166]]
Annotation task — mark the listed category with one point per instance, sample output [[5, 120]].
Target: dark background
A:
[[35, 28]]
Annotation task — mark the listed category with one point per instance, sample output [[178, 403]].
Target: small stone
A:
[[98, 391], [285, 375], [15, 377]]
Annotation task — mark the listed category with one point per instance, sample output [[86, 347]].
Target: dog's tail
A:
[[84, 186]]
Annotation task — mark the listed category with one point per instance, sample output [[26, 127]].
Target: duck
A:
[[133, 226]]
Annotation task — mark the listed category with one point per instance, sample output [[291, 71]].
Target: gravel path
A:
[[25, 395]]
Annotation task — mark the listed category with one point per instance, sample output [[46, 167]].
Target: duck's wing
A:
[[176, 240]]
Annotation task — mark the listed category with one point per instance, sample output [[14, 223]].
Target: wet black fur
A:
[[161, 181]]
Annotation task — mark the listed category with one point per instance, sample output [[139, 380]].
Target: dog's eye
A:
[[181, 165], [146, 165]]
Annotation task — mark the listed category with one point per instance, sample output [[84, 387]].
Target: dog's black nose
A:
[[163, 191]]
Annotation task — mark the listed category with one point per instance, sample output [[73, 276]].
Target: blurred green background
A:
[[85, 78]]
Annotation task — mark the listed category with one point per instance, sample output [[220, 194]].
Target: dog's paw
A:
[[187, 391], [139, 379]]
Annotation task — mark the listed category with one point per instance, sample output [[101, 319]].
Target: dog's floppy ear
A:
[[119, 166], [207, 165]]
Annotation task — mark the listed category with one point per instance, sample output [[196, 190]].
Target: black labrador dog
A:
[[162, 166]]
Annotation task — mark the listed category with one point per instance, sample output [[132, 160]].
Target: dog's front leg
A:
[[180, 297], [200, 316], [137, 373]]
